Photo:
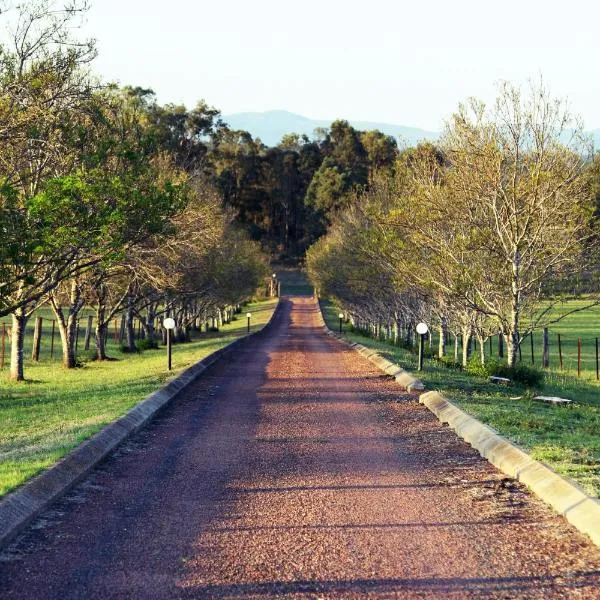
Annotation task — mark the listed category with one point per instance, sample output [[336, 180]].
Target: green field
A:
[[565, 437], [57, 409]]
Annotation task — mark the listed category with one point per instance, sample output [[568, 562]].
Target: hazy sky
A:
[[402, 62]]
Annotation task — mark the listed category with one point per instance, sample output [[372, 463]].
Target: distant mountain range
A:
[[270, 126]]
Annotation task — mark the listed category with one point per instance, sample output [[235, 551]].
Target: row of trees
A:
[[486, 233], [103, 196]]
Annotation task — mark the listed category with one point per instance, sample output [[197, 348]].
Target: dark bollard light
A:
[[169, 325], [422, 330], [341, 316], [249, 315]]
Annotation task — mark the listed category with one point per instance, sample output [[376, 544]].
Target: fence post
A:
[[597, 364], [37, 339], [121, 330], [560, 357], [532, 353], [76, 336], [88, 333], [578, 357], [546, 349], [52, 339], [116, 331]]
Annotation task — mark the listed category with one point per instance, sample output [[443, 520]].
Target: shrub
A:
[[449, 362], [474, 367], [125, 349], [146, 344], [520, 374]]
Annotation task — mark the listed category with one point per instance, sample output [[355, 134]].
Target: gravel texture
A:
[[294, 468]]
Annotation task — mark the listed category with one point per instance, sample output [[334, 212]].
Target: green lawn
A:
[[565, 437], [56, 409], [584, 325]]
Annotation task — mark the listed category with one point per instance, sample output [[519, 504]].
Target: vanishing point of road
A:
[[293, 468]]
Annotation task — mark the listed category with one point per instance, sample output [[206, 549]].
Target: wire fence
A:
[[546, 349], [42, 337]]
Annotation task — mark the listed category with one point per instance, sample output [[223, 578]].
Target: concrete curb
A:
[[23, 505], [406, 380], [564, 495]]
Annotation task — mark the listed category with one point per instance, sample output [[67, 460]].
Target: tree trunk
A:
[[37, 339], [88, 332], [512, 335], [512, 342], [101, 330], [19, 322], [481, 348], [129, 325], [67, 327], [100, 335], [467, 336], [150, 331], [443, 331]]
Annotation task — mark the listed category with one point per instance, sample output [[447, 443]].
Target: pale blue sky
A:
[[400, 62]]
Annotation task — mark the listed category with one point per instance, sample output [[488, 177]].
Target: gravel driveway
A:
[[295, 469]]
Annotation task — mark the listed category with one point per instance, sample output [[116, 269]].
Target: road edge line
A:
[[19, 508]]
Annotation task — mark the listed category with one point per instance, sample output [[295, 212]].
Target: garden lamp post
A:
[[341, 316], [249, 315], [169, 325], [422, 330]]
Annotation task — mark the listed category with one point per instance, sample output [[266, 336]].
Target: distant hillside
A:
[[272, 125]]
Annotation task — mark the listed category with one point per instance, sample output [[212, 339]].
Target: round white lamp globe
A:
[[169, 323], [422, 329]]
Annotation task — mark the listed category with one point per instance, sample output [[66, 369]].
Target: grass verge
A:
[[55, 410], [565, 437]]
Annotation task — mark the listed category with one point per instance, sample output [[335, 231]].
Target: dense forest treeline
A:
[[284, 195]]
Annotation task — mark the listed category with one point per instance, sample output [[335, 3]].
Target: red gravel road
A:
[[295, 469]]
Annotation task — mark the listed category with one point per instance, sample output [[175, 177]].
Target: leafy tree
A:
[[381, 149]]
